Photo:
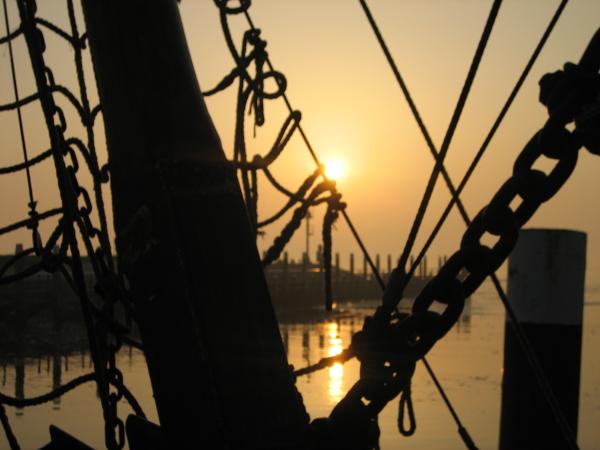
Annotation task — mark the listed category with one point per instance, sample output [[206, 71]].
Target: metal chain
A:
[[243, 7], [571, 95]]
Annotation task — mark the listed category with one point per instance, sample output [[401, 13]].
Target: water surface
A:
[[468, 362]]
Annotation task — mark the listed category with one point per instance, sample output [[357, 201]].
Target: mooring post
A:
[[546, 277], [215, 356], [285, 274]]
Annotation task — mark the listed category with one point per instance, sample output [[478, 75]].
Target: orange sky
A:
[[353, 110]]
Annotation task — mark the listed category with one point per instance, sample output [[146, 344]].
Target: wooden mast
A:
[[215, 356]]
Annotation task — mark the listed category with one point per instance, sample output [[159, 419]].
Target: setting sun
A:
[[334, 169]]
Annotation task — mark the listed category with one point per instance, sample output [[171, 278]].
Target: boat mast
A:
[[215, 356]]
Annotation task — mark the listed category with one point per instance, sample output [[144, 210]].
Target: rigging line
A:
[[67, 387], [313, 154], [438, 167], [10, 36], [30, 221], [455, 200], [20, 117], [462, 431], [407, 96], [450, 131], [524, 342], [91, 142], [33, 161], [522, 338], [69, 201]]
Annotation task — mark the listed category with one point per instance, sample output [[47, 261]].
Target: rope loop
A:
[[405, 406], [223, 6]]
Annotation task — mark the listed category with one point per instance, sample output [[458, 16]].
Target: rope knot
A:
[[258, 162]]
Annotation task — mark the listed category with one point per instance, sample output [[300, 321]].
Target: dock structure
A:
[[301, 285]]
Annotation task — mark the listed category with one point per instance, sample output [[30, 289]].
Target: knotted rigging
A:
[[81, 218], [251, 95]]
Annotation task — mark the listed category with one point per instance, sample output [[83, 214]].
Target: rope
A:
[[532, 360], [66, 388], [409, 100], [344, 212], [464, 434], [287, 232], [59, 31], [27, 164], [405, 406], [10, 36], [88, 116], [75, 214], [516, 326], [10, 436], [439, 157], [484, 146], [49, 396], [296, 197], [32, 202], [331, 216], [29, 222], [323, 363], [450, 131]]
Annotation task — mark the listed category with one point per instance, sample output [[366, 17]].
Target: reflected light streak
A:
[[336, 372]]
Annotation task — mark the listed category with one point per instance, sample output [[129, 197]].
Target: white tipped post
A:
[[546, 279]]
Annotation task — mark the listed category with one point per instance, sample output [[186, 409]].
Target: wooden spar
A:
[[215, 356]]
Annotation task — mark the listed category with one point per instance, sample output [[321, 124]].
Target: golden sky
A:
[[353, 110]]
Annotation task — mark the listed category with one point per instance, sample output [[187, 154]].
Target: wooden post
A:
[[285, 274], [56, 377], [19, 322], [319, 255], [351, 263], [389, 264], [546, 273], [215, 356], [336, 277]]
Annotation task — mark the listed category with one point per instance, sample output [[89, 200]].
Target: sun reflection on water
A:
[[336, 372]]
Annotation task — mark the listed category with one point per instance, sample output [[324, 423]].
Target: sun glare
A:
[[334, 169]]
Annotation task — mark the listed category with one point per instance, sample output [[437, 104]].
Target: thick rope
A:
[[10, 436], [345, 213], [66, 388]]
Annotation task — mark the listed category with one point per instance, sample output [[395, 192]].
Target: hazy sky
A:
[[353, 110]]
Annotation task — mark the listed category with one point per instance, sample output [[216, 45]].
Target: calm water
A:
[[468, 362]]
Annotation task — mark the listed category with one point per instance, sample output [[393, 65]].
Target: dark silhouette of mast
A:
[[215, 355]]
